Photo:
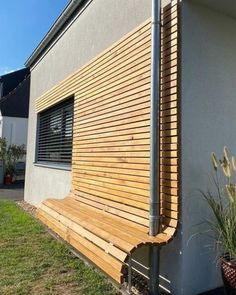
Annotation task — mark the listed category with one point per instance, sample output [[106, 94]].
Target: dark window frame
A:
[[54, 138]]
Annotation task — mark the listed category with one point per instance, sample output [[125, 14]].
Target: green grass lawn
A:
[[32, 262]]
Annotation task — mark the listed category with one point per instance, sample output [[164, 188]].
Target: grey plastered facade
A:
[[208, 122], [208, 67]]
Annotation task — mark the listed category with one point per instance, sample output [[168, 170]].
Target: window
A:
[[55, 134]]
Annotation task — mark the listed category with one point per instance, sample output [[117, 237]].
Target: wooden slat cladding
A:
[[112, 122], [169, 117], [106, 214], [112, 102], [112, 127]]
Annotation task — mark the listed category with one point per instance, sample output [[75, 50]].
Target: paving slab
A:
[[13, 192]]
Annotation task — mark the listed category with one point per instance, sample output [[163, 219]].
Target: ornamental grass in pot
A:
[[223, 207]]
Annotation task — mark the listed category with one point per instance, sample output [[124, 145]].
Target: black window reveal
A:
[[55, 133]]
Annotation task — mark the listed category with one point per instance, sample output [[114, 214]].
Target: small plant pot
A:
[[8, 179], [228, 270]]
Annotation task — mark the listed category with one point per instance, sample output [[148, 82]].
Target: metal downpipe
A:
[[154, 251], [154, 122]]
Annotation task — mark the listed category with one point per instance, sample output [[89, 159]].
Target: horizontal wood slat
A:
[[89, 250], [106, 215]]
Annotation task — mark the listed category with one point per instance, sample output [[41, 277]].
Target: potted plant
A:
[[10, 154], [222, 204], [3, 148], [9, 172]]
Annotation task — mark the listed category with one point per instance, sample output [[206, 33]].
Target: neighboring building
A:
[[102, 97], [14, 106]]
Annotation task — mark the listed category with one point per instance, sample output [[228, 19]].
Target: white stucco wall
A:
[[14, 130], [208, 123]]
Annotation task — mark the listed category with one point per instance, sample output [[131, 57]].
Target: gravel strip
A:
[[27, 207]]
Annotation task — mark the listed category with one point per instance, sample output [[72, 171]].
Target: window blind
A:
[[55, 133]]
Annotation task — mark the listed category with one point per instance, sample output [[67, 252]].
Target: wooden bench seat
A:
[[100, 236]]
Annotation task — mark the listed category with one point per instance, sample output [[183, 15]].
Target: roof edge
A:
[[12, 73], [55, 28]]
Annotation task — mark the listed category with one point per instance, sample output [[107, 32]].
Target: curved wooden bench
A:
[[103, 238], [106, 216]]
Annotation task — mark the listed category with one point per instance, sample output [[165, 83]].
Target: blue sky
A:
[[23, 25]]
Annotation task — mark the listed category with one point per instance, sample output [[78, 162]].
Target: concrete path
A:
[[12, 192]]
